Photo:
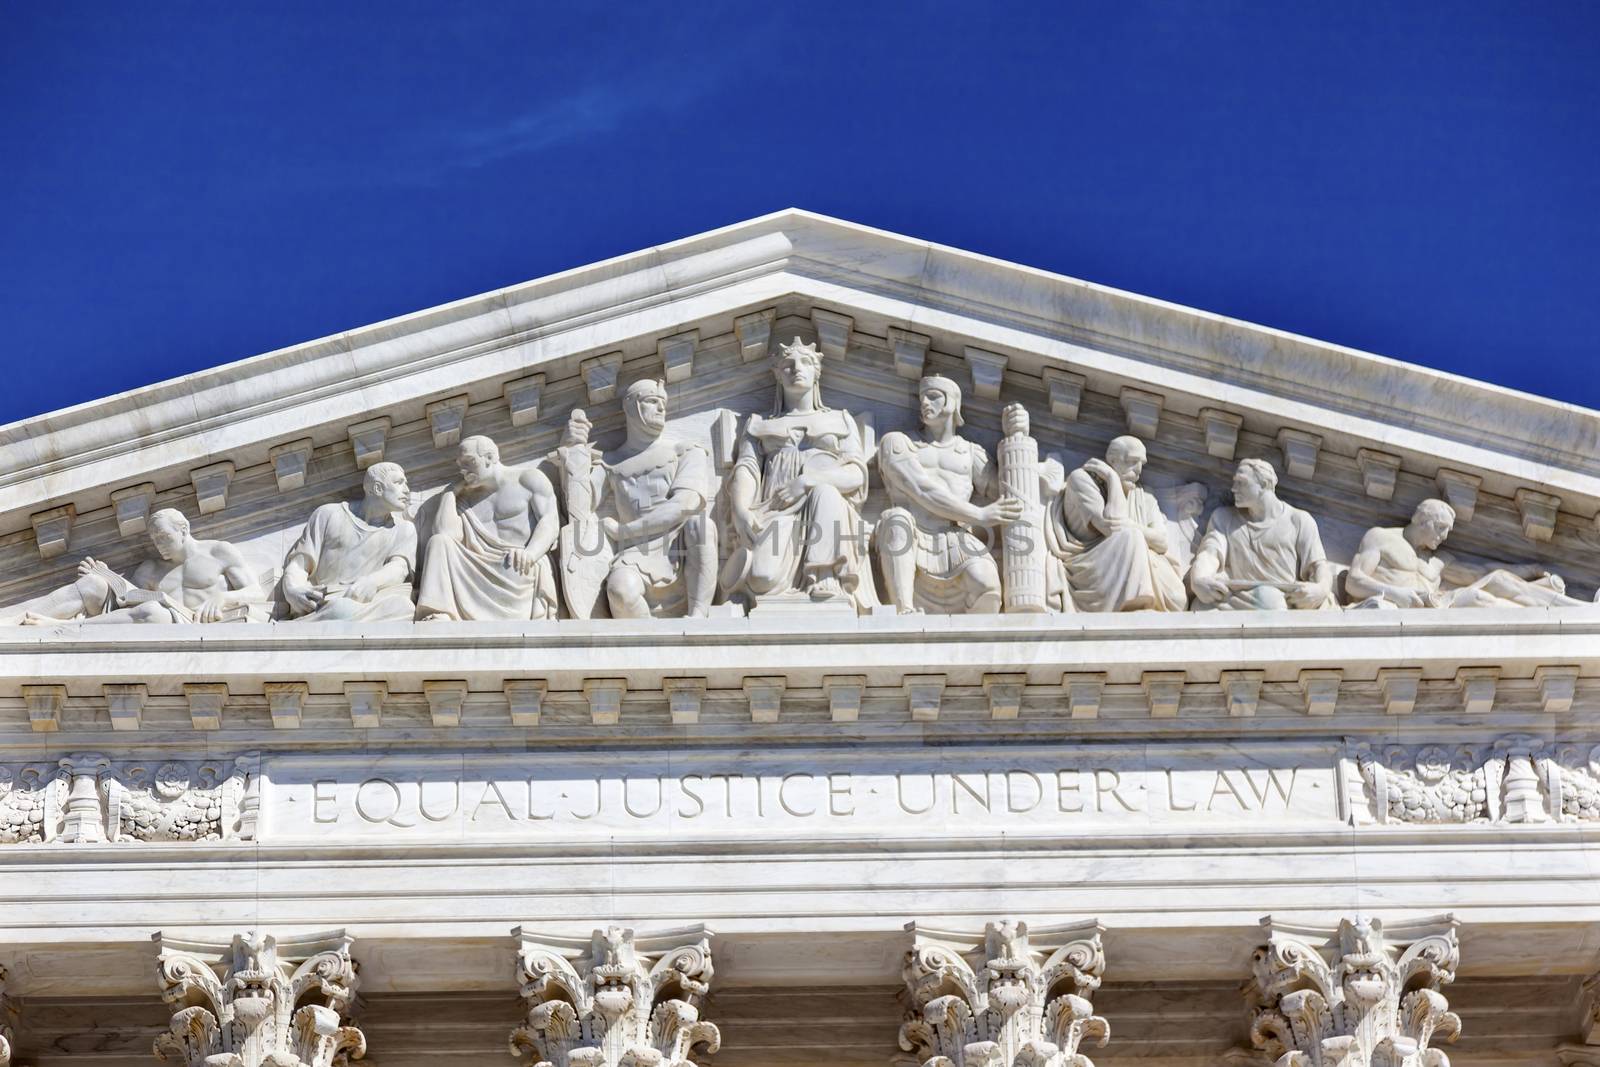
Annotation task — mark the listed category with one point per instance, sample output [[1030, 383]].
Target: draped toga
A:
[[472, 578]]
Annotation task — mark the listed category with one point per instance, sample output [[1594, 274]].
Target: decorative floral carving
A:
[[615, 1001], [176, 800], [268, 1009], [1431, 784], [1575, 783], [85, 798], [1004, 1002], [1517, 779], [1357, 999], [31, 797]]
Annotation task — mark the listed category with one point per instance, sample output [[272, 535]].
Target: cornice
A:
[[732, 681], [1036, 318]]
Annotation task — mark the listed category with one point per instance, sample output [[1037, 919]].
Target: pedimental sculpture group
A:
[[966, 659]]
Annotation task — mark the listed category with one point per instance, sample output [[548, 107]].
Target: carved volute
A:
[[1356, 999], [615, 1001], [1003, 998]]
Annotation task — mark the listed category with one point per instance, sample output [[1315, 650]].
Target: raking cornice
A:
[[1037, 319]]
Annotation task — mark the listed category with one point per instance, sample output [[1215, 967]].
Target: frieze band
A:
[[644, 529]]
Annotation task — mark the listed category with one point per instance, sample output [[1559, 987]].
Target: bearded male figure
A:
[[1261, 554], [488, 554], [660, 487], [932, 560], [188, 580], [1112, 538], [1401, 567], [355, 562]]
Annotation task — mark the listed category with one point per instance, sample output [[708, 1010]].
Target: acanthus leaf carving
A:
[[8, 1013], [1357, 998], [1003, 998], [258, 1002], [616, 1000]]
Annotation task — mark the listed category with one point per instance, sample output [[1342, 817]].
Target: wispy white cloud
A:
[[433, 153]]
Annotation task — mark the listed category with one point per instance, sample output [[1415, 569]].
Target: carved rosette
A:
[[272, 1006], [178, 800], [1431, 784], [1357, 999], [1003, 998], [615, 1000], [85, 798]]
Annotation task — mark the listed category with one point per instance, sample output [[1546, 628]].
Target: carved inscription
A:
[[494, 796]]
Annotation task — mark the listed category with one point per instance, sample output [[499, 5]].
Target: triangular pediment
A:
[[250, 448]]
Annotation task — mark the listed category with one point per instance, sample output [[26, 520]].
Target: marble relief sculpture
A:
[[650, 532], [931, 557], [795, 496], [188, 580], [1260, 554], [355, 562], [658, 555], [618, 1001], [1007, 1001], [1358, 999], [1111, 538], [488, 554], [275, 1005], [1402, 567]]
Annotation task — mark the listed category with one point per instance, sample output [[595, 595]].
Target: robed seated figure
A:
[[1111, 538], [795, 496], [488, 556], [932, 556], [355, 562], [1261, 554], [188, 580], [1402, 567]]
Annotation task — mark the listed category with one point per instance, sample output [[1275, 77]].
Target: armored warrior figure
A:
[[795, 495], [355, 562], [188, 580], [1401, 567], [488, 554], [931, 558], [660, 487], [1112, 539], [1260, 554]]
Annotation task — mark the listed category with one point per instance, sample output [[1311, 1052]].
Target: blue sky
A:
[[184, 185]]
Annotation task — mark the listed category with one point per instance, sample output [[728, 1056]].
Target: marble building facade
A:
[[802, 644]]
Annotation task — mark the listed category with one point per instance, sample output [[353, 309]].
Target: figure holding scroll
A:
[[1112, 539], [931, 557], [188, 580], [1261, 554], [488, 555]]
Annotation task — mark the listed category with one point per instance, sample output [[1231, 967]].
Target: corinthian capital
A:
[[259, 1002], [1355, 997], [7, 1036], [614, 1000], [1005, 997]]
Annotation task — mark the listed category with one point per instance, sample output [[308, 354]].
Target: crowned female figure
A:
[[795, 496]]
